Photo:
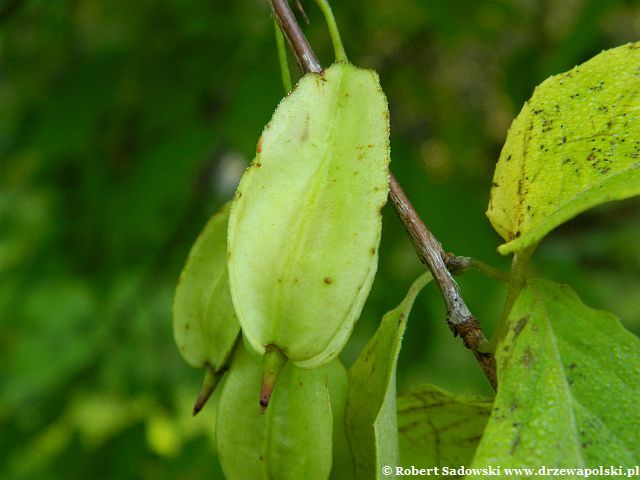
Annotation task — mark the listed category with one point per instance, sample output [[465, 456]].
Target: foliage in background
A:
[[125, 125]]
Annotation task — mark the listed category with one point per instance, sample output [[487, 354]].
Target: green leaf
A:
[[204, 322], [371, 404], [569, 386], [574, 145], [305, 225], [438, 428]]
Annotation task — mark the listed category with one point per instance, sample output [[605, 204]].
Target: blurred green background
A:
[[125, 125]]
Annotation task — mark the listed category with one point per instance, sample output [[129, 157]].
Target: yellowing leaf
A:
[[569, 386], [574, 145], [305, 225]]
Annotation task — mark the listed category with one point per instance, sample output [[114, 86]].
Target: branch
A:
[[305, 56], [459, 318]]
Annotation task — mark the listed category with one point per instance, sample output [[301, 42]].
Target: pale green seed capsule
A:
[[292, 439], [205, 326], [343, 462], [239, 422], [305, 225]]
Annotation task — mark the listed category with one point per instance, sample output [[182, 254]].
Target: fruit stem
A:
[[274, 359], [282, 59], [340, 54]]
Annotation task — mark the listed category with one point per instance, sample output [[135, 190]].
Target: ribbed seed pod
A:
[[205, 326], [293, 438], [305, 224]]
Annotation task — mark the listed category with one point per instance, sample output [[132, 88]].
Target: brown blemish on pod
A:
[[328, 280]]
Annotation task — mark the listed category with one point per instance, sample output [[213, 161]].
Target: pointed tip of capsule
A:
[[265, 396], [274, 359], [211, 379]]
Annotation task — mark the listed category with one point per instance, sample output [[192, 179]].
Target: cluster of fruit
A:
[[274, 284]]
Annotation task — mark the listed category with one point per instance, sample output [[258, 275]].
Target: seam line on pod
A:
[[311, 199]]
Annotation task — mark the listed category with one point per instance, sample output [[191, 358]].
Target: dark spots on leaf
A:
[[258, 164], [259, 147], [517, 234], [527, 358], [515, 443], [280, 280], [513, 407], [508, 158], [328, 280], [517, 328], [495, 184], [372, 251], [401, 318]]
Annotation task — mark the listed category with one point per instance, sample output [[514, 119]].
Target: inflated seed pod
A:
[[239, 422], [291, 440], [343, 463], [205, 326], [305, 225]]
